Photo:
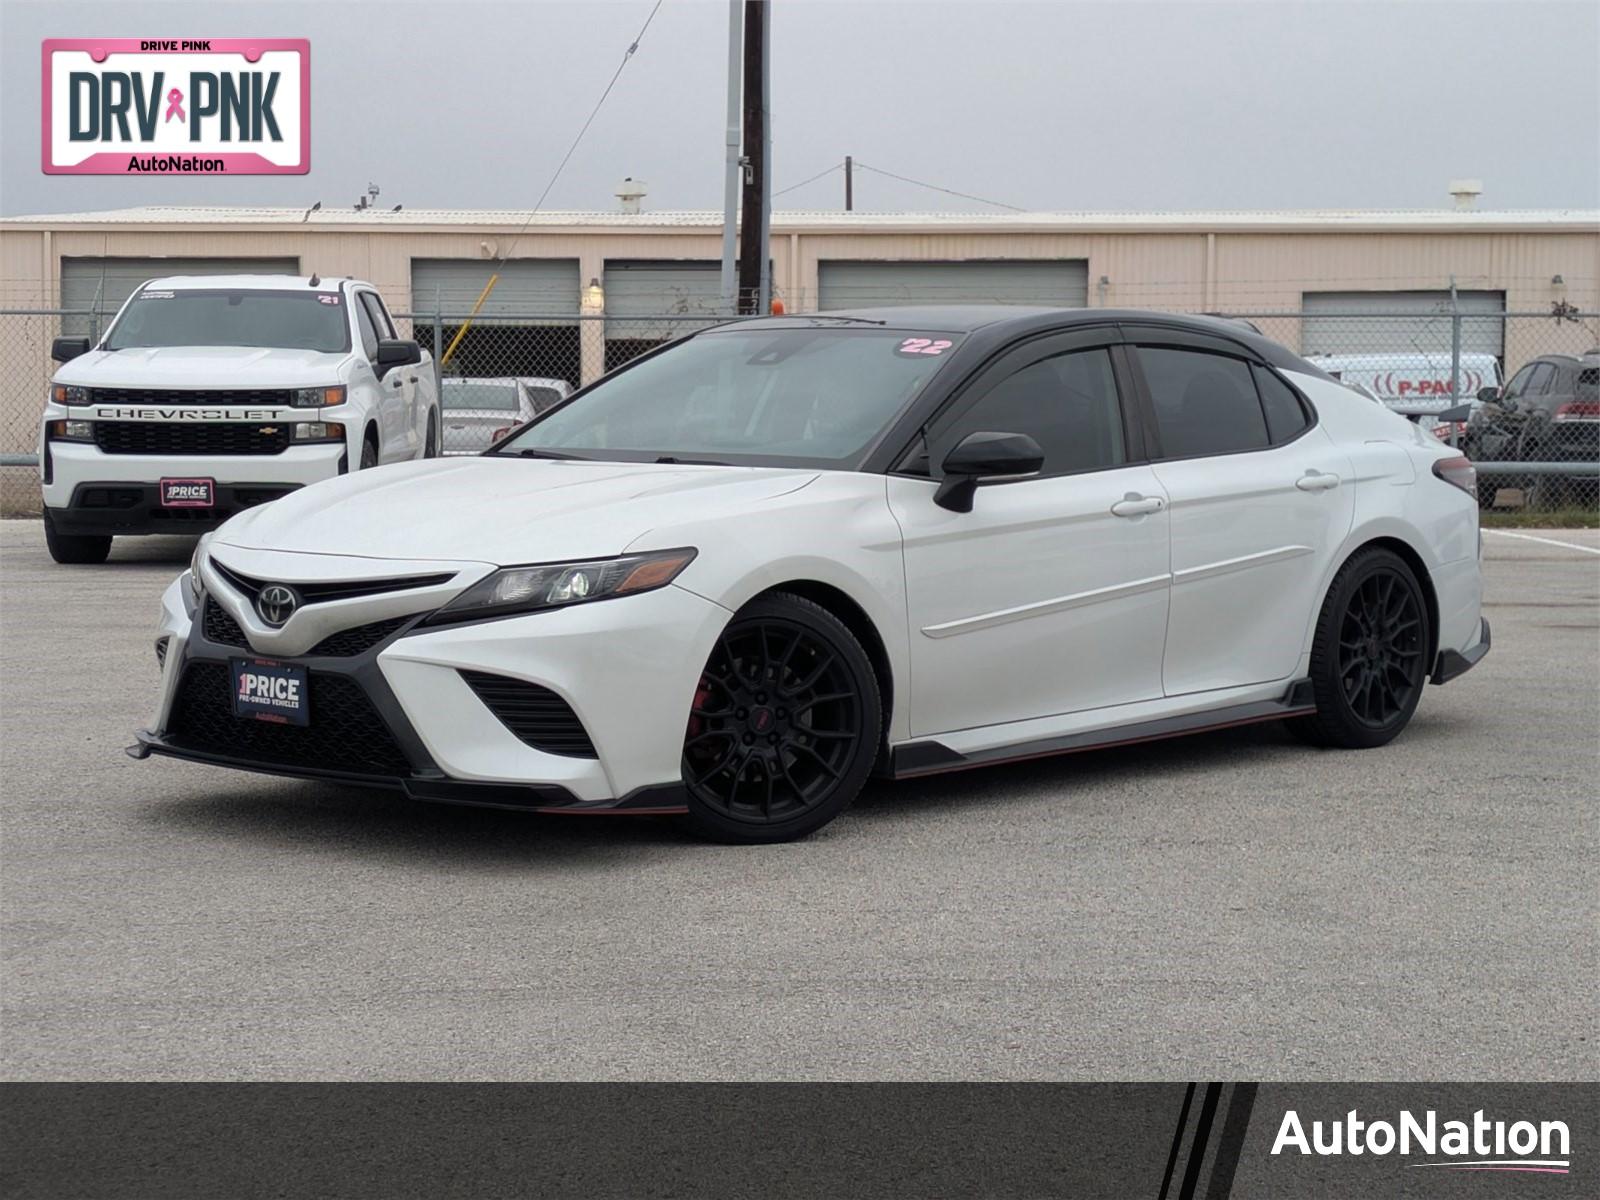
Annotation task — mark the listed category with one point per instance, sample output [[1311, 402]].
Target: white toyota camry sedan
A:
[[739, 576]]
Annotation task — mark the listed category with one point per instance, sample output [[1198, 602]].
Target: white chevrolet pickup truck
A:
[[210, 394]]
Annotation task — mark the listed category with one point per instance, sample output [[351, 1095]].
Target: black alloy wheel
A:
[[1369, 657], [784, 726]]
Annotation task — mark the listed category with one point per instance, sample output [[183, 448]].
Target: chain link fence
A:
[[1530, 379]]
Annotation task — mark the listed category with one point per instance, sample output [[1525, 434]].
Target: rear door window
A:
[[1204, 403]]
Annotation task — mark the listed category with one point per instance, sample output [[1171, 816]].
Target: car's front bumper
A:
[[408, 719], [69, 466], [111, 507]]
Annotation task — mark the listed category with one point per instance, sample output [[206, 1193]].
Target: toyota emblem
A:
[[276, 603]]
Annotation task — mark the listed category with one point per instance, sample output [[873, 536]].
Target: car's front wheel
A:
[[1369, 655], [784, 727]]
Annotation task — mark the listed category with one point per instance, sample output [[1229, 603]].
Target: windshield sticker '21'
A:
[[921, 345]]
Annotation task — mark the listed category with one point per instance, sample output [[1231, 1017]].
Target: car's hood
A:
[[202, 367], [501, 510]]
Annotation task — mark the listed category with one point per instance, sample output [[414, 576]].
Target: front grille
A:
[[357, 640], [346, 732], [260, 397], [535, 714], [220, 627], [160, 437], [346, 589]]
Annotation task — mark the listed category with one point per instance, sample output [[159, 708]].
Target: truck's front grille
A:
[[260, 397], [160, 437]]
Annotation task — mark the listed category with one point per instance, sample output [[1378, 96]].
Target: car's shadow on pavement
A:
[[374, 823]]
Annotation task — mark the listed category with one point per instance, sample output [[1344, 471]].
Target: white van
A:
[[1414, 383]]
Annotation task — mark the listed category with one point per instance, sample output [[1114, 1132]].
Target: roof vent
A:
[[1466, 192], [631, 193]]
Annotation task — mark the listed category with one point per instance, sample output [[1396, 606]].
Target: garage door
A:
[[639, 295], [103, 284], [853, 284], [531, 291], [1361, 330]]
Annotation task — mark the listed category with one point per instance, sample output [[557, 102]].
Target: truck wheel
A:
[[430, 445], [75, 548], [369, 453]]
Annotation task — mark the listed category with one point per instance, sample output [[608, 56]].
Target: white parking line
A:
[[1528, 537]]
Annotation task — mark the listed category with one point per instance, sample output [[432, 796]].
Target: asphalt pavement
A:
[[1231, 905]]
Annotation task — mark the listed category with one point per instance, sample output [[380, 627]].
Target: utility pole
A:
[[849, 184], [753, 220], [730, 191]]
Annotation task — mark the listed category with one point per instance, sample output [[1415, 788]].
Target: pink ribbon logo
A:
[[175, 105]]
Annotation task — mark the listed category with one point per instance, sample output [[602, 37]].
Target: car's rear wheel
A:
[[75, 548], [1369, 656], [784, 727]]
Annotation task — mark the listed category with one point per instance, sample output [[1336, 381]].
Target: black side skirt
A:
[[933, 757]]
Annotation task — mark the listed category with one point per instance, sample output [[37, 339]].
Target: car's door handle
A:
[[1317, 481], [396, 383], [1135, 505]]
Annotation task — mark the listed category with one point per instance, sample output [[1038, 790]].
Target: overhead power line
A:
[[561, 166], [819, 175], [936, 188]]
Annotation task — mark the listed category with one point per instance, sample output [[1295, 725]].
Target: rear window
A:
[[267, 319], [1589, 383], [501, 397]]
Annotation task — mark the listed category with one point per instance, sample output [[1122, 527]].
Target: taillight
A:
[[1458, 471], [1578, 410]]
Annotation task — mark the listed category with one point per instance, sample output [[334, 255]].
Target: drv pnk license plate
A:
[[188, 493], [265, 690]]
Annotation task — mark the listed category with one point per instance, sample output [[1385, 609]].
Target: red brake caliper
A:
[[702, 693]]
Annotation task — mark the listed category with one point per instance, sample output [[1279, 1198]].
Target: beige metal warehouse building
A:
[[579, 291]]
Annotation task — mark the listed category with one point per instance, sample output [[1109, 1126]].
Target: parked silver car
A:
[[479, 410]]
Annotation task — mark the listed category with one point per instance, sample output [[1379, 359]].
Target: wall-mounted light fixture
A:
[[594, 296]]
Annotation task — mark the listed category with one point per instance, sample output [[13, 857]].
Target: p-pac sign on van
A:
[[214, 106]]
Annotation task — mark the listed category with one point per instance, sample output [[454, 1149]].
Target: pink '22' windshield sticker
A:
[[155, 106]]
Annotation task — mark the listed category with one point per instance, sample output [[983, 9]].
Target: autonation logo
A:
[[1476, 1145]]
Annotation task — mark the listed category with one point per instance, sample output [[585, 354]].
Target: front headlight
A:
[[319, 431], [70, 431], [556, 585], [316, 397], [66, 393]]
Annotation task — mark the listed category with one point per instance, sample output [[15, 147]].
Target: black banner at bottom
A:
[[1162, 1141]]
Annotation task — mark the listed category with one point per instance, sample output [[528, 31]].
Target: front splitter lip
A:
[[666, 799]]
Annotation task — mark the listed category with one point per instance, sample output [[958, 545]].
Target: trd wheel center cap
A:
[[762, 720]]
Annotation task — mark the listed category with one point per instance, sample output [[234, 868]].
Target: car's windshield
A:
[[502, 397], [296, 320], [799, 396]]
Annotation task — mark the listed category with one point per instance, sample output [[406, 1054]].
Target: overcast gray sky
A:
[[1062, 105]]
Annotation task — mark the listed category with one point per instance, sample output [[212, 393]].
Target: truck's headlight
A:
[[556, 585], [71, 431], [319, 431], [316, 397], [67, 393]]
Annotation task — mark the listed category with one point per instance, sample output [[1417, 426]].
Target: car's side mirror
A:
[[1461, 412], [1489, 395], [396, 352], [65, 349], [984, 455]]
